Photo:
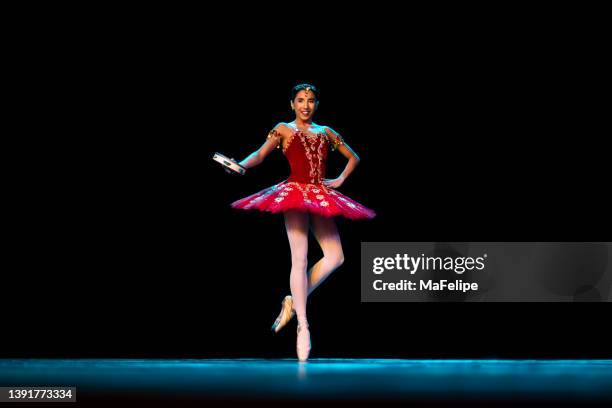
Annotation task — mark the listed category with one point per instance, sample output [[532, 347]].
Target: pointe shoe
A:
[[302, 346], [285, 316]]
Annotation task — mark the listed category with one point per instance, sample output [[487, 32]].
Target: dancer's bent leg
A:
[[326, 233]]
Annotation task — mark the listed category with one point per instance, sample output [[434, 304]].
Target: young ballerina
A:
[[305, 198]]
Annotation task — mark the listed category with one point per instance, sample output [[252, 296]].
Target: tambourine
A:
[[229, 163]]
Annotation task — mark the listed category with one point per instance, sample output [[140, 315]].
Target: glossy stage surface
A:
[[269, 382]]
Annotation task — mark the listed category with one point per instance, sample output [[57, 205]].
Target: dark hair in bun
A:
[[308, 87]]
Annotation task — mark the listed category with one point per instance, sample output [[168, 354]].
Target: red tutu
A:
[[312, 198], [303, 190]]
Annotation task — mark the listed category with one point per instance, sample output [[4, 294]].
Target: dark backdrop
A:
[[127, 245]]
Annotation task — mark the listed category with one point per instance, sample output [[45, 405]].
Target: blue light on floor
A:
[[577, 380]]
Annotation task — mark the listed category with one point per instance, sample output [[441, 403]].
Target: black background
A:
[[126, 246]]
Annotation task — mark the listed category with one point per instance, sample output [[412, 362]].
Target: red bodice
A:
[[307, 155]]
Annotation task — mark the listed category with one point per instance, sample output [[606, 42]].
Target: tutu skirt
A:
[[311, 198]]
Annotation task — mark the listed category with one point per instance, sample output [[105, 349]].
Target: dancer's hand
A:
[[333, 183]]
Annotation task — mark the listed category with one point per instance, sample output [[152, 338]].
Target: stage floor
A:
[[255, 381]]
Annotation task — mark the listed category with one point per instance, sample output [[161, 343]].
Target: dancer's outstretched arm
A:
[[274, 139]]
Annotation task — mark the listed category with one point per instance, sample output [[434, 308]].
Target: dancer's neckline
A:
[[302, 130]]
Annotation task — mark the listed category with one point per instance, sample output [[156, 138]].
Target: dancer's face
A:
[[304, 105]]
